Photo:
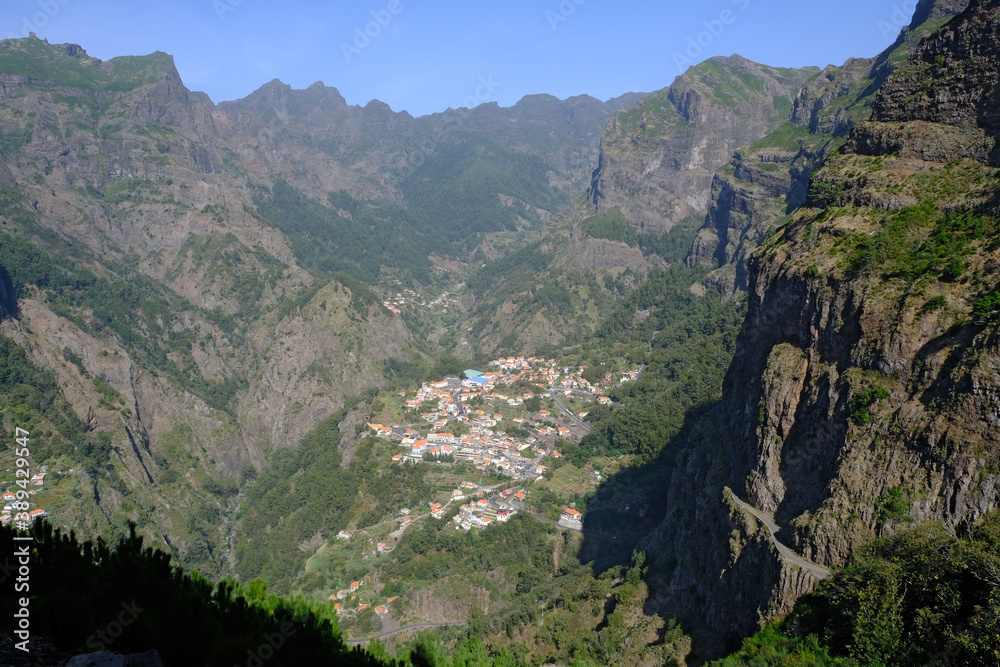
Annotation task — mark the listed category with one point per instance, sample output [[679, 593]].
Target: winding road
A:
[[765, 518], [576, 420]]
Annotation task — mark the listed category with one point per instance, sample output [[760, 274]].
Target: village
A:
[[409, 298], [10, 497], [486, 506], [450, 429]]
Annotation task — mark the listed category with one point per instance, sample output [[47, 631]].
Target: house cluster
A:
[[409, 298], [444, 301], [405, 298], [483, 443], [484, 512], [344, 593], [10, 497], [347, 597], [483, 447], [542, 373]]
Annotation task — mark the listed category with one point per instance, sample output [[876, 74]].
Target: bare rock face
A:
[[822, 331], [310, 362], [952, 78], [658, 157], [767, 180], [951, 81], [855, 377]]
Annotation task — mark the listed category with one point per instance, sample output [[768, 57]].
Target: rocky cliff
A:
[[863, 393], [768, 179], [658, 157]]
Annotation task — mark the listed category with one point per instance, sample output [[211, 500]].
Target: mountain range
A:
[[801, 262]]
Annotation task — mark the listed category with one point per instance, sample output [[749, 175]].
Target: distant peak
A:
[[275, 84]]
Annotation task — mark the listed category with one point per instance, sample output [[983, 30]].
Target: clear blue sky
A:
[[426, 55]]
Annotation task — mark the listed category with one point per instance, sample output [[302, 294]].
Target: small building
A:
[[572, 515]]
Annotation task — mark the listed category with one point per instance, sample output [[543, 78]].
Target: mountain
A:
[[208, 308], [198, 278], [859, 397], [657, 157], [767, 179]]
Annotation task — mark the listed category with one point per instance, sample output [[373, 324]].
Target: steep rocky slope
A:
[[768, 179], [174, 291], [888, 364], [863, 392], [658, 157]]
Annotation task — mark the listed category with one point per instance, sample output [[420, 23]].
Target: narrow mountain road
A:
[[576, 420], [765, 518], [586, 533], [411, 626]]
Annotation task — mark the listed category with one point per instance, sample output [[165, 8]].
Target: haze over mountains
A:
[[205, 307]]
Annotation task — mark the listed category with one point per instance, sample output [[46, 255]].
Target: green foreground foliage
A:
[[83, 593], [920, 597]]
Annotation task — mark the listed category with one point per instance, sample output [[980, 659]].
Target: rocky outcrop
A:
[[951, 82], [820, 448], [825, 111], [858, 377], [743, 206], [658, 158]]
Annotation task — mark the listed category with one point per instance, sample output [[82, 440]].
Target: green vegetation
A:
[[861, 402], [30, 398], [457, 190], [40, 60], [822, 194], [771, 648], [891, 506], [80, 590], [920, 240], [920, 597], [687, 342], [789, 137], [528, 260], [359, 244], [306, 490], [612, 225], [139, 313], [540, 610], [986, 309]]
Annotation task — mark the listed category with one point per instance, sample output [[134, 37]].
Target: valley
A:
[[705, 375]]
